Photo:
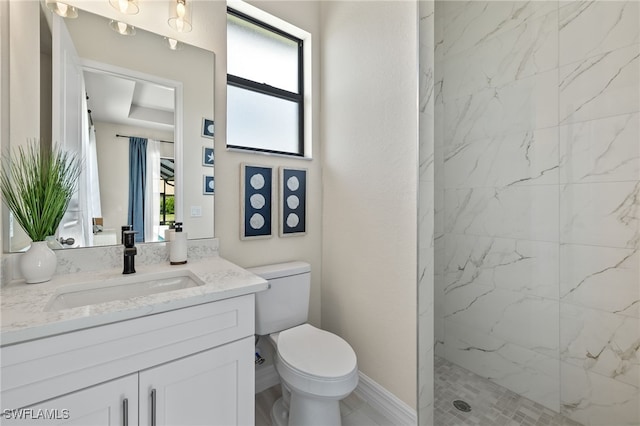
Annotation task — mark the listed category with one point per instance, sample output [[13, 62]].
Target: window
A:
[[167, 191], [265, 87]]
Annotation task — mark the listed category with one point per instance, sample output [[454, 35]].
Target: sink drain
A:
[[461, 405]]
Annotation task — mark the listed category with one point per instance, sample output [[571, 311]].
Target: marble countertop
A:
[[23, 314]]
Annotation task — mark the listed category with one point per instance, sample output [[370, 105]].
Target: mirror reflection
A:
[[129, 119], [135, 109]]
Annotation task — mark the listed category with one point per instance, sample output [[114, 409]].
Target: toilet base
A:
[[305, 411], [279, 413]]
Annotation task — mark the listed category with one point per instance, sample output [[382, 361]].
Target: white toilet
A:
[[317, 368]]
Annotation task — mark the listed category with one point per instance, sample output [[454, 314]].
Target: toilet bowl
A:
[[317, 368]]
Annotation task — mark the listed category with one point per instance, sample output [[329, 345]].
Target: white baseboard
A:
[[368, 390], [385, 402]]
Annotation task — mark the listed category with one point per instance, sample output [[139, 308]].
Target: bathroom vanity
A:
[[182, 356]]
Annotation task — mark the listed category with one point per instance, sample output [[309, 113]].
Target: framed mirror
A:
[[113, 91]]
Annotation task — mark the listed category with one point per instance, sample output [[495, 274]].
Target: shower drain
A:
[[461, 405]]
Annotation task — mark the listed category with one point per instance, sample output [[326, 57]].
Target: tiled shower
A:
[[529, 246]]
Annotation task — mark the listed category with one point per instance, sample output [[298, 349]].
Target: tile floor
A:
[[491, 404], [354, 411]]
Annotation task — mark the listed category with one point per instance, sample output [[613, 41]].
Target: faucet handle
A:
[[129, 238], [123, 229]]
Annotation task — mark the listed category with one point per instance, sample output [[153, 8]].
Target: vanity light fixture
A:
[[128, 7], [172, 43], [180, 16], [122, 28], [62, 9]]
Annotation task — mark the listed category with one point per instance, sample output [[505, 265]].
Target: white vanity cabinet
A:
[[208, 388], [103, 404], [189, 366]]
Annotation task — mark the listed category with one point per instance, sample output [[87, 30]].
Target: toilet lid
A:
[[316, 352]]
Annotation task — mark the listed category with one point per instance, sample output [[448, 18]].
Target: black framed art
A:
[[208, 128], [293, 202], [256, 201]]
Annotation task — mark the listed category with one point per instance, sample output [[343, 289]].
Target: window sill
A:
[[270, 154]]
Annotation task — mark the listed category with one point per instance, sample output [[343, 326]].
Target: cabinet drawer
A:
[[41, 369]]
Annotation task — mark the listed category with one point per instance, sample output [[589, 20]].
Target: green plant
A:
[[37, 187]]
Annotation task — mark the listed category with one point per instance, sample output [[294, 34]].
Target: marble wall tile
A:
[[527, 267], [438, 318], [600, 86], [523, 51], [539, 115], [605, 150], [426, 93], [438, 201], [601, 342], [521, 370], [601, 214], [529, 158], [470, 23], [603, 278], [590, 28], [596, 400], [426, 212], [426, 218], [525, 213], [425, 282], [525, 105], [527, 321]]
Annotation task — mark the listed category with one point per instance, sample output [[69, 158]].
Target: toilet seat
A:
[[316, 362]]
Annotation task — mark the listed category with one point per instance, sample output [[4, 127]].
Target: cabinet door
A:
[[107, 404], [214, 387]]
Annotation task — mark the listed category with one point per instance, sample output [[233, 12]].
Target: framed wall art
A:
[[208, 185], [293, 202], [207, 156], [256, 189], [208, 128]]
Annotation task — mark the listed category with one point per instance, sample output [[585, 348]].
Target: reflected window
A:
[[167, 191]]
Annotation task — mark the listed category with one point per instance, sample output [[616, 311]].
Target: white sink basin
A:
[[124, 288]]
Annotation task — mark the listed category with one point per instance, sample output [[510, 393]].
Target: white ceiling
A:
[[118, 100]]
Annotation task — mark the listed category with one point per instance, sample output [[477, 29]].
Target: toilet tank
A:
[[285, 303]]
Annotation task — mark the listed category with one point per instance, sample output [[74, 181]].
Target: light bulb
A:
[[180, 16], [61, 9], [123, 5], [122, 28], [129, 7], [180, 9], [173, 43]]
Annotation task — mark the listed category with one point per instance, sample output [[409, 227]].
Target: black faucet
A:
[[130, 251]]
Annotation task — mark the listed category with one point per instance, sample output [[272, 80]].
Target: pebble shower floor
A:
[[491, 404]]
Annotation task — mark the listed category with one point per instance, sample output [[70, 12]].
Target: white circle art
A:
[[257, 181], [210, 129], [257, 201], [292, 220], [210, 184], [293, 183], [256, 221], [293, 202]]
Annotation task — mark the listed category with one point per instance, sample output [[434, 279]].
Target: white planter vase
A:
[[38, 264]]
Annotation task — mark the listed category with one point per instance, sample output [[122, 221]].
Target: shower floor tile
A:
[[491, 404]]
